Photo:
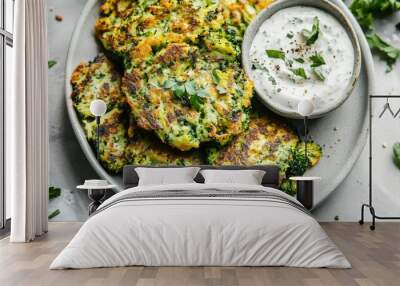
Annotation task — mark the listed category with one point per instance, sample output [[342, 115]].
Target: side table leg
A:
[[305, 193], [96, 197]]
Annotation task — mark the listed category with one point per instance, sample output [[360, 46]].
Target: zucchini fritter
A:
[[96, 79], [189, 100], [267, 142], [183, 78]]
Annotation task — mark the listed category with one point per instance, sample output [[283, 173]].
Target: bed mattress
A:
[[201, 225]]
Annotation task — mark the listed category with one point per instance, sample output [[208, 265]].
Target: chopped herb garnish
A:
[[51, 64], [54, 213], [318, 74], [196, 101], [257, 65], [221, 90], [312, 36], [299, 72], [187, 93], [215, 77], [299, 60], [277, 54], [317, 60], [290, 35]]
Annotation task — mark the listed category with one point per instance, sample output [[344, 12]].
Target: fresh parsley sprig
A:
[[365, 12], [317, 60], [300, 72], [389, 53], [312, 36], [187, 92]]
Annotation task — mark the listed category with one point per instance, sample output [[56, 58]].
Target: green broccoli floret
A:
[[297, 164], [314, 152]]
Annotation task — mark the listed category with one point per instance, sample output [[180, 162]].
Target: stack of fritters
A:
[[180, 95], [121, 142]]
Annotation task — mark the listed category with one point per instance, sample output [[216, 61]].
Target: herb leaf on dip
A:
[[277, 54], [299, 72], [312, 36], [317, 60]]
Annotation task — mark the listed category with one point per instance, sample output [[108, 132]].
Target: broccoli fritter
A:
[[130, 28], [96, 79], [266, 142], [189, 100], [146, 150], [314, 152]]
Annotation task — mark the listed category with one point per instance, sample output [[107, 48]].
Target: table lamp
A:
[[98, 108]]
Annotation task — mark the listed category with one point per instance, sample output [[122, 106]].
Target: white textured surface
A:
[[201, 232]]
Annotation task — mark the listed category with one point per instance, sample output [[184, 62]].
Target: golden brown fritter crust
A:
[[113, 139], [97, 79], [267, 142]]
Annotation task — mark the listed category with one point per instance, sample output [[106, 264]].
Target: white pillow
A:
[[248, 177], [166, 176]]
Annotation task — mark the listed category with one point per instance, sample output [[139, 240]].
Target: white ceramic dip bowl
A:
[[289, 61]]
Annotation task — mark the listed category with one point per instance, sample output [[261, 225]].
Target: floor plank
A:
[[375, 257]]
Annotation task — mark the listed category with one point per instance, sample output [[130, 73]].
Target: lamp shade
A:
[[305, 107], [98, 107]]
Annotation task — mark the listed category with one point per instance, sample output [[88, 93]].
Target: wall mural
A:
[[170, 73], [175, 77]]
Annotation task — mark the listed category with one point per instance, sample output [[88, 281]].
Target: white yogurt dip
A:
[[291, 61]]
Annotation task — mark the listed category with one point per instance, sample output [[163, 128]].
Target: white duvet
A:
[[200, 231]]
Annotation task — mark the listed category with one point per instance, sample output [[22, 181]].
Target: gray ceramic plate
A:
[[279, 5], [342, 147]]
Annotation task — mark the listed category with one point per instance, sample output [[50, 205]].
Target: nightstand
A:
[[305, 190], [96, 194]]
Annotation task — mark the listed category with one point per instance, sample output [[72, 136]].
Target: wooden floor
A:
[[375, 257]]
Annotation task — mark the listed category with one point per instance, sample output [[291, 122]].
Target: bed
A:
[[198, 224]]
